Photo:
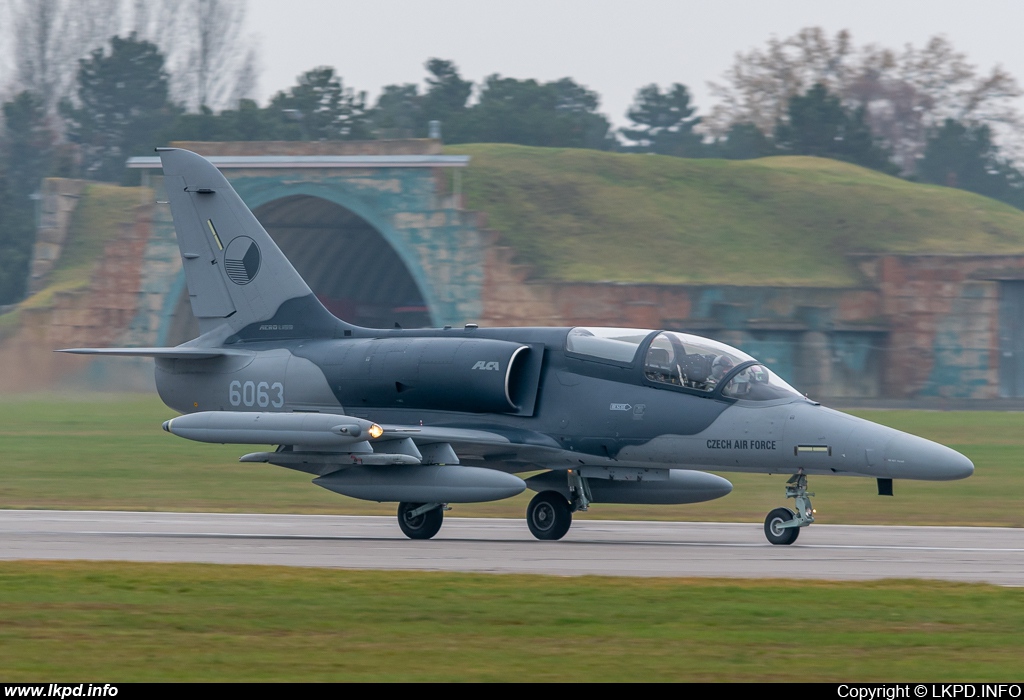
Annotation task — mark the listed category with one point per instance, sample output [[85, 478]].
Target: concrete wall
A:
[[943, 318], [921, 326], [98, 314], [414, 210], [827, 341], [59, 199]]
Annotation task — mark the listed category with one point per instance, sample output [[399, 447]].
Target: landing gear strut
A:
[[579, 492], [420, 521], [782, 526]]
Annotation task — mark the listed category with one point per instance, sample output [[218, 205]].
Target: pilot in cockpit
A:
[[721, 366], [751, 383]]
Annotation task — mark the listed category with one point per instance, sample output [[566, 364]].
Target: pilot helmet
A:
[[721, 366], [759, 374]]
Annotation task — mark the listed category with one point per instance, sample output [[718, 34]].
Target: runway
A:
[[601, 547]]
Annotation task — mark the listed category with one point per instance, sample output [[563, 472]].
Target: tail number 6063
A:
[[256, 394]]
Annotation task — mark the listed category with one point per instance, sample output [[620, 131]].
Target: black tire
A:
[[780, 535], [549, 516], [420, 527]]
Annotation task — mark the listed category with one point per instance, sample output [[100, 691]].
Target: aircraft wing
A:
[[320, 443], [496, 448], [178, 353]]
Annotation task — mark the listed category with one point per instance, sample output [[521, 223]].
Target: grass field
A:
[[110, 622], [581, 215], [117, 622], [107, 452]]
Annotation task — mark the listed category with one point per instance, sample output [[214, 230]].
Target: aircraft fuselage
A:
[[438, 416], [579, 411]]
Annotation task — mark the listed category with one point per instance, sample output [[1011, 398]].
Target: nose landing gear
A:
[[782, 526]]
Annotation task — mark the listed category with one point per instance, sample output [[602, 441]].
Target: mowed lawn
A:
[[118, 622], [107, 452], [114, 622]]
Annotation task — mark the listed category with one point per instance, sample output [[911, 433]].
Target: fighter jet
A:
[[431, 417]]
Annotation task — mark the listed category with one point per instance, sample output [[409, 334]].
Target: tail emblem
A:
[[242, 260]]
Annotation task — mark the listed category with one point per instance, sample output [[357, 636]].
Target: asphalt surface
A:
[[602, 547]]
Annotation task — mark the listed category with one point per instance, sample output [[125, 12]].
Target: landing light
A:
[[375, 431]]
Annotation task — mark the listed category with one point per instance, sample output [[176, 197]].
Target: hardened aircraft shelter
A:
[[379, 237]]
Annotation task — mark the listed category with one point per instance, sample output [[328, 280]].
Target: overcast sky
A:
[[612, 47]]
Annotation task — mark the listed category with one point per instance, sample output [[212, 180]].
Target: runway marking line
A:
[[747, 545]]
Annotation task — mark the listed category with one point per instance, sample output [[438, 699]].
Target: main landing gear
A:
[[549, 514], [782, 526], [420, 521]]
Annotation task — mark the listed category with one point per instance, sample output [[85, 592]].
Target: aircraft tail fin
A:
[[236, 275]]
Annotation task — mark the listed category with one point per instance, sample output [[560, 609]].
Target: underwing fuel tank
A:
[[654, 486], [423, 484], [307, 429]]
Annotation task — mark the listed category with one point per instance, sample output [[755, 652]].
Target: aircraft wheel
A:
[[549, 516], [422, 526], [777, 534]]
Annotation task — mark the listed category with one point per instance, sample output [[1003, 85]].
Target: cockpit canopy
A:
[[682, 360]]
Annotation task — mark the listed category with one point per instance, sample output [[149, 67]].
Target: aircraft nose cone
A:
[[912, 457]]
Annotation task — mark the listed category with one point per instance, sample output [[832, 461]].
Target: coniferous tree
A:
[[819, 125], [560, 114], [399, 113], [742, 142], [965, 157], [446, 99], [320, 108], [122, 106], [26, 155], [248, 122], [665, 123]]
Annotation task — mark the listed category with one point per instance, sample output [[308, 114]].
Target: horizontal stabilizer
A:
[[162, 353]]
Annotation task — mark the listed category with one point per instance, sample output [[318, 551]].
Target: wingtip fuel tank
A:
[[260, 428]]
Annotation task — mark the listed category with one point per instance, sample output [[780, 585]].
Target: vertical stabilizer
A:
[[237, 276]]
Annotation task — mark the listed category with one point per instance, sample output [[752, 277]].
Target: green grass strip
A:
[[107, 452], [113, 622]]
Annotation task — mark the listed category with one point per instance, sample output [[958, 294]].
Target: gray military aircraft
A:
[[430, 417]]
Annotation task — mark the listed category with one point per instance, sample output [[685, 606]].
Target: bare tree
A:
[[48, 37], [949, 87], [156, 21], [905, 94], [213, 62], [6, 57], [760, 82]]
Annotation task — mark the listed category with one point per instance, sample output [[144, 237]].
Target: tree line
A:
[[925, 114]]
